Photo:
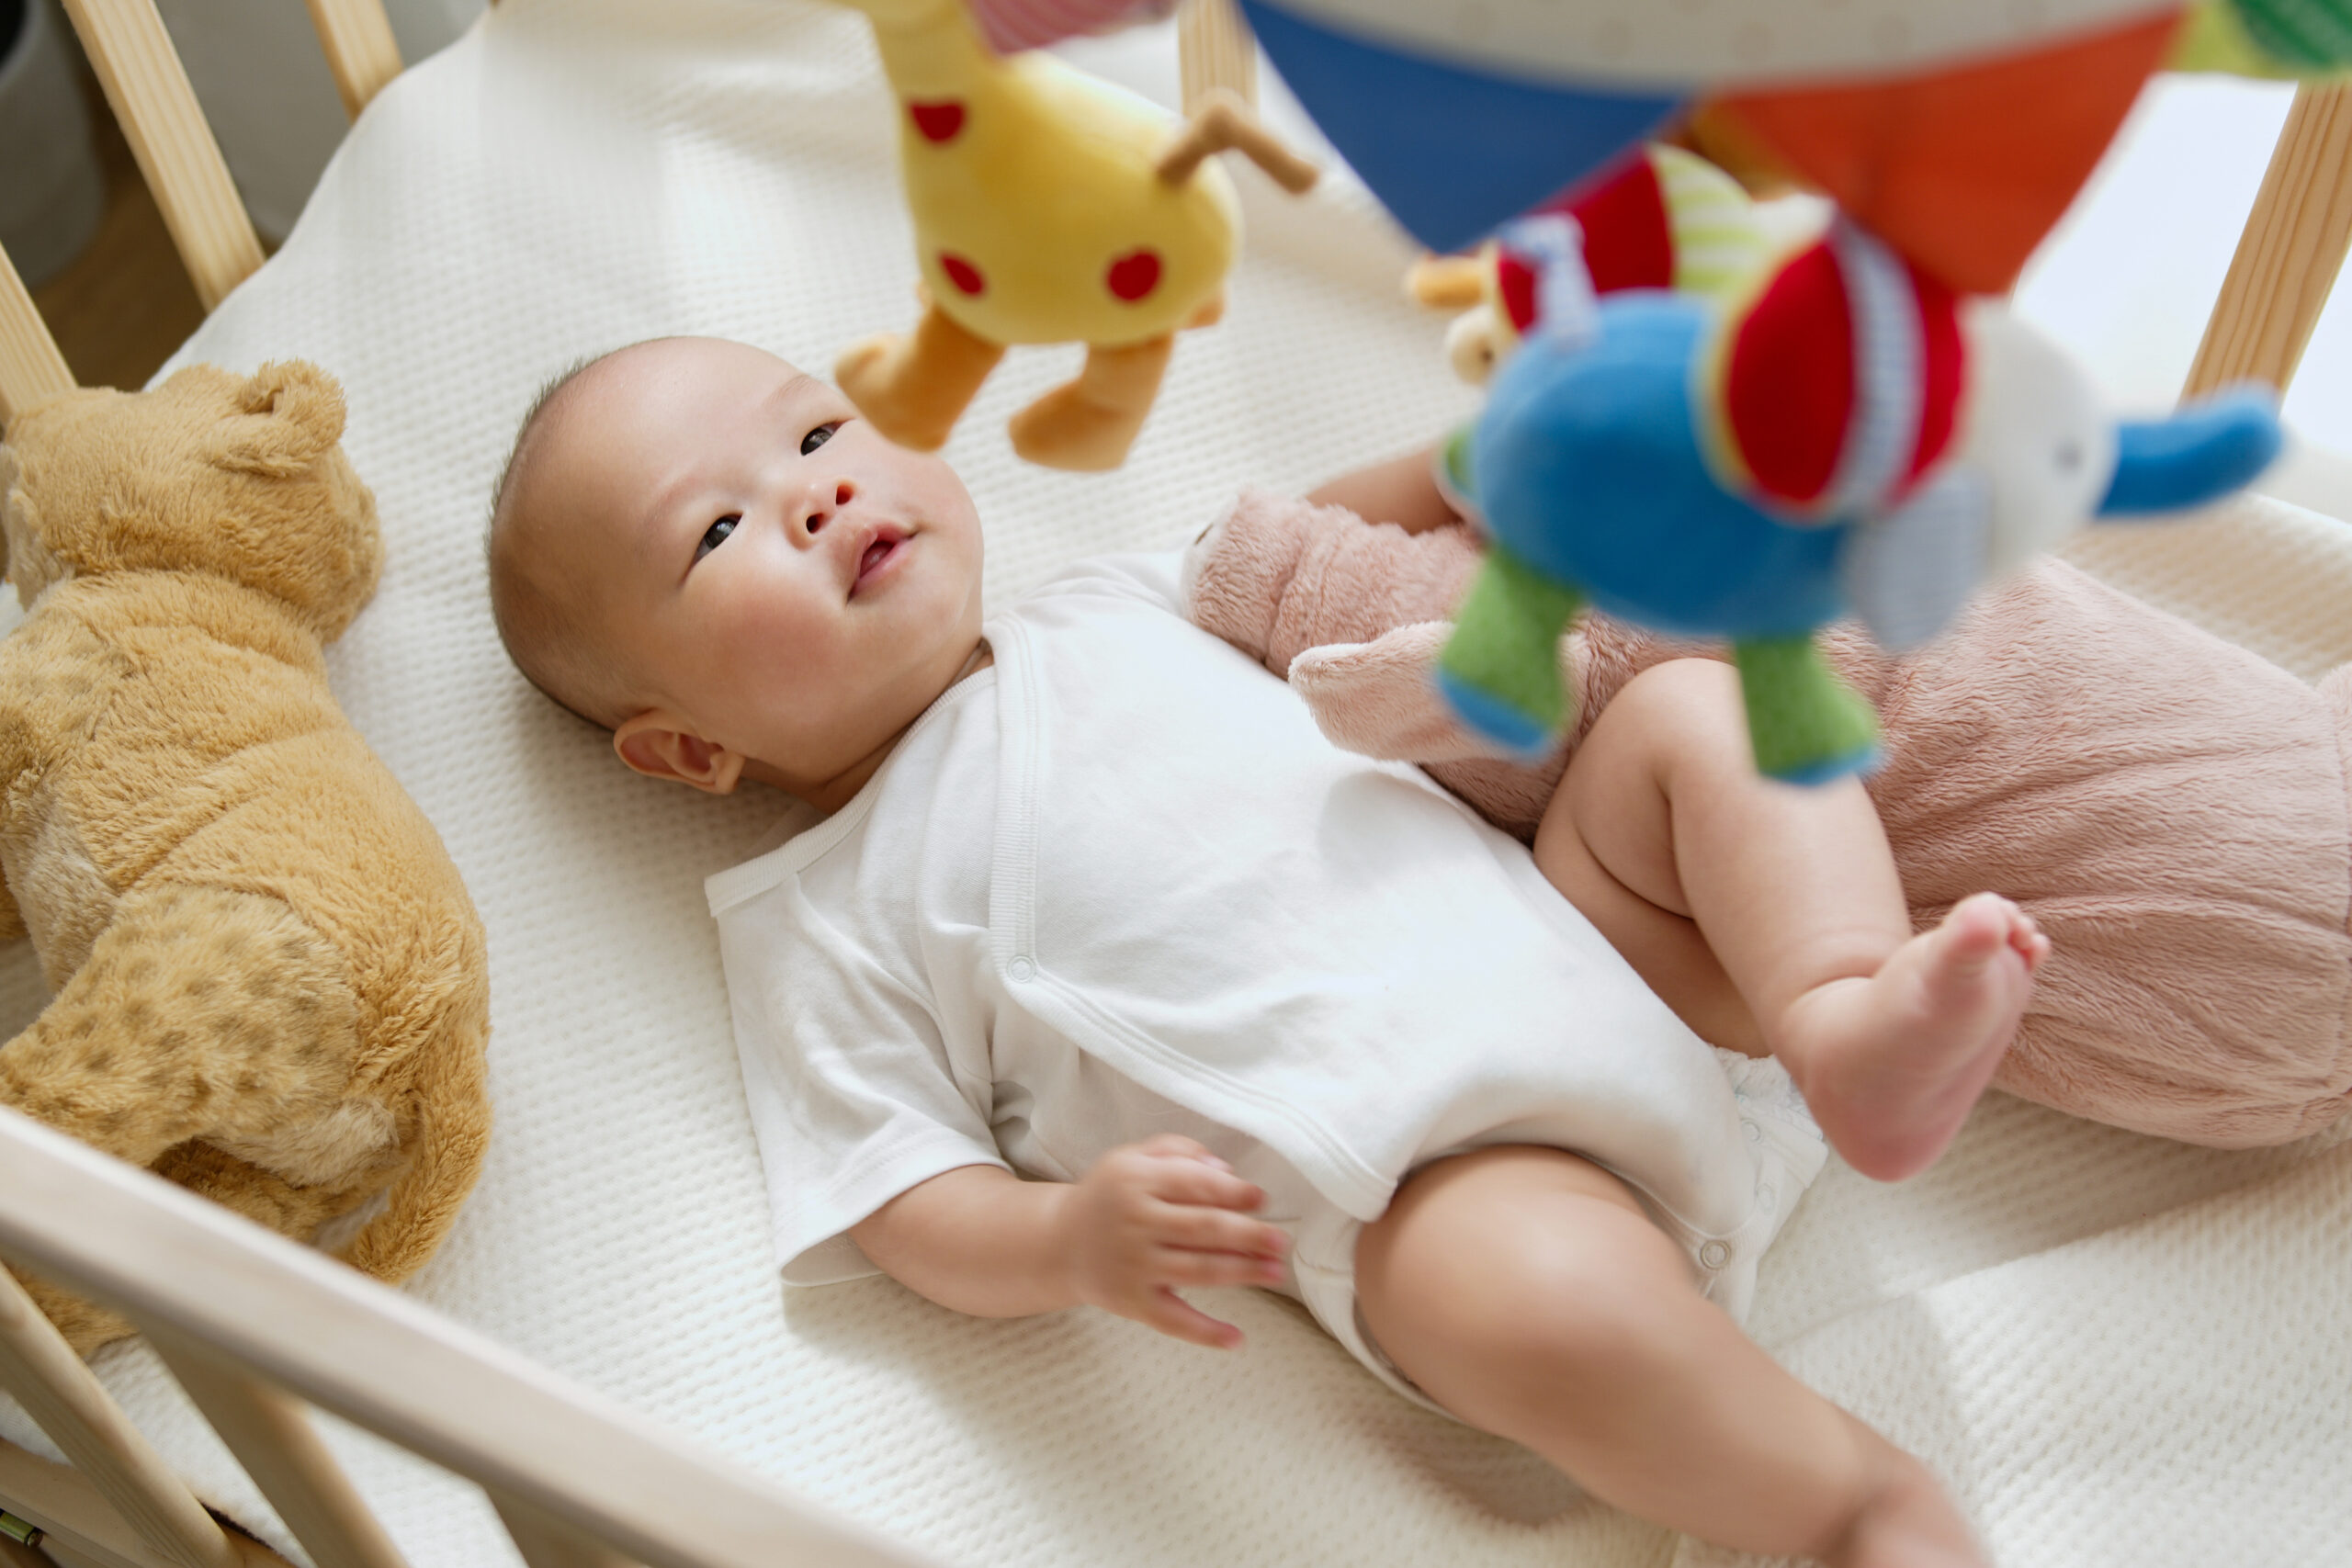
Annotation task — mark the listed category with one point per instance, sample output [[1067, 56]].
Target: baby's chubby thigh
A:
[[1526, 1290], [1500, 1279]]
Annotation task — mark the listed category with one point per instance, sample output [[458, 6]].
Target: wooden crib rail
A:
[[254, 1326], [361, 54], [157, 109], [1213, 50], [2289, 254], [65, 1400], [31, 365], [151, 97]]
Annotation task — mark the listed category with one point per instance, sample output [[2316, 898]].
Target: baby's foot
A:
[[1891, 1065]]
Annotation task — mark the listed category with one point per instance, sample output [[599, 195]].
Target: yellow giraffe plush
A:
[[1048, 207]]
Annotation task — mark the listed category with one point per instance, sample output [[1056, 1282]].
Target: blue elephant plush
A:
[[1849, 440]]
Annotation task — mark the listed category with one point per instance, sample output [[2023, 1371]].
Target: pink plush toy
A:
[[2176, 811]]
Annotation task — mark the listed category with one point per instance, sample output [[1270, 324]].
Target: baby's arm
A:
[[1402, 490], [1147, 1218]]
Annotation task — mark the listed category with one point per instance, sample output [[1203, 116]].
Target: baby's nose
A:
[[844, 493]]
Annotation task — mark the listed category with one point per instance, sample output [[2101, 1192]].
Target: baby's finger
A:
[[1173, 1316], [1188, 1181], [1180, 1266], [1175, 1146], [1220, 1230]]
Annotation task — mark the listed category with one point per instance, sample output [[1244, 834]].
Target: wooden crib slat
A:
[[31, 367], [317, 1328], [1215, 48], [65, 1400], [2287, 259], [361, 52], [81, 1524], [141, 72], [546, 1541], [66, 1555], [83, 1530], [273, 1439]]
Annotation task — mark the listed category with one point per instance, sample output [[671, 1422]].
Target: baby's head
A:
[[711, 554]]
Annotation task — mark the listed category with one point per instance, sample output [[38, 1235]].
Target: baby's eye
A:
[[715, 535], [818, 438]]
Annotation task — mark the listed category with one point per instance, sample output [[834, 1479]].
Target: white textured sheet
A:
[[2120, 1350]]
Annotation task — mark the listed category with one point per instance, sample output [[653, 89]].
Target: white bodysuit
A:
[[1118, 884]]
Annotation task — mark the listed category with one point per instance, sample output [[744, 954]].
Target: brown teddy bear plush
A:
[[2175, 811], [268, 984]]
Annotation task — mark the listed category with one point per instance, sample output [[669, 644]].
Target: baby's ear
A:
[[289, 414], [658, 744]]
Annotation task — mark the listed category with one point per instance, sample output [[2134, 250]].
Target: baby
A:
[[1104, 976]]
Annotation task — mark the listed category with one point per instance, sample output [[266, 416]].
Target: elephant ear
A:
[[1907, 574], [1840, 383], [2197, 456], [1785, 386], [287, 416]]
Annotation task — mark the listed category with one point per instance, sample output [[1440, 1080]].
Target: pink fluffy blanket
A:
[[2176, 811]]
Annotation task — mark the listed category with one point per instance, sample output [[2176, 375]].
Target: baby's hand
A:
[[1165, 1212]]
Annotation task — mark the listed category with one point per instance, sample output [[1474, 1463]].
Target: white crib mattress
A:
[[2118, 1350]]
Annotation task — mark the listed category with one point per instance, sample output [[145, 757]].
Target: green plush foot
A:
[[2306, 36], [1804, 725], [1501, 669]]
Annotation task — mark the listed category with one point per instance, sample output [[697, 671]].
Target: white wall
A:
[[265, 87]]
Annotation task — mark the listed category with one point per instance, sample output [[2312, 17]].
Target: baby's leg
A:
[[1769, 917], [1524, 1291]]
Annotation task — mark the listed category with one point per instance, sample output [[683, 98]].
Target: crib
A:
[[280, 1407]]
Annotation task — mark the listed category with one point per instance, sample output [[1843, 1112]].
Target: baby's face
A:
[[769, 568]]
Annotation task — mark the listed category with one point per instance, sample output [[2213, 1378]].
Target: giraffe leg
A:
[[1088, 424], [1501, 669], [1804, 725], [915, 387]]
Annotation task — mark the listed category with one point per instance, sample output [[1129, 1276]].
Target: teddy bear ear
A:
[[289, 414]]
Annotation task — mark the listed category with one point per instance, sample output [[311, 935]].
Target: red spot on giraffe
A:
[[938, 121], [1133, 276], [961, 273]]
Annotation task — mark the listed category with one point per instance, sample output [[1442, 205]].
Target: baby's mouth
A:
[[885, 547]]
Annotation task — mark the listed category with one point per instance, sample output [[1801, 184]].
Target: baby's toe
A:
[[1979, 926], [2025, 935]]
